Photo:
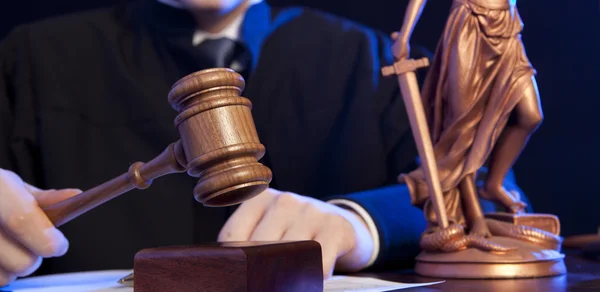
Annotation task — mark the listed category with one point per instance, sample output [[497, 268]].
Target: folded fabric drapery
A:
[[477, 77]]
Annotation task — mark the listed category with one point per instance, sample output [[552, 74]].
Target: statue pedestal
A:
[[534, 251], [233, 266], [527, 261]]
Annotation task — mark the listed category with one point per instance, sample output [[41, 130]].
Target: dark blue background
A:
[[560, 168]]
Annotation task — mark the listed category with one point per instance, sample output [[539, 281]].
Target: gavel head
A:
[[219, 138]]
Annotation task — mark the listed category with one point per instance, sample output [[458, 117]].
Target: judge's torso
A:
[[90, 94]]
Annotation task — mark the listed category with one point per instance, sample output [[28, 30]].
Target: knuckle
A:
[[6, 173], [341, 227], [8, 177], [15, 223], [312, 212], [285, 201], [21, 265], [337, 221]]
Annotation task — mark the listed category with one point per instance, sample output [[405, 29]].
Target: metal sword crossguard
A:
[[409, 87], [403, 66]]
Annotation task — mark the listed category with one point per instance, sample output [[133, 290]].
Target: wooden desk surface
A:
[[583, 275]]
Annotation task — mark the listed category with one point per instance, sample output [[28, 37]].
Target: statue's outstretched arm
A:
[[411, 17]]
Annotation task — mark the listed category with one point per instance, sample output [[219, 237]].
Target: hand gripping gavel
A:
[[219, 145]]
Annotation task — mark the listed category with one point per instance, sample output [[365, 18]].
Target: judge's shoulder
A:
[[70, 29], [311, 23], [326, 31]]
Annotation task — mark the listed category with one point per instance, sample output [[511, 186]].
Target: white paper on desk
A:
[[106, 281], [95, 281], [361, 284]]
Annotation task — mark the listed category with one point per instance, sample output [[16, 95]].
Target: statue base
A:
[[534, 251], [231, 266], [527, 261]]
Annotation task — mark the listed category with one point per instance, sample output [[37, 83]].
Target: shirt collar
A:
[[170, 25], [232, 31]]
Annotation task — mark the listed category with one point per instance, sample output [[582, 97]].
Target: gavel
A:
[[218, 144]]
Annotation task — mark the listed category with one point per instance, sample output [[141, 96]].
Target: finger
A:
[[15, 259], [35, 232], [6, 278], [9, 175], [306, 228], [31, 189], [51, 197], [36, 265], [282, 211], [25, 222], [336, 239], [242, 222], [330, 252]]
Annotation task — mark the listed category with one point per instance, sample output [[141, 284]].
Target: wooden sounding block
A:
[[231, 266]]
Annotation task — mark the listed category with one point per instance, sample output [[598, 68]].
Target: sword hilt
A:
[[403, 66], [409, 90]]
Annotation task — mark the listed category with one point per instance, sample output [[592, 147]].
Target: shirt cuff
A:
[[368, 220]]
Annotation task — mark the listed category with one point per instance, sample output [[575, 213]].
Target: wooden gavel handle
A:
[[140, 176]]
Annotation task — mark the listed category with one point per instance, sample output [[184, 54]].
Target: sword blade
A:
[[418, 123]]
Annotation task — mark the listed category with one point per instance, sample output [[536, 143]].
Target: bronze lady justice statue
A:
[[481, 104]]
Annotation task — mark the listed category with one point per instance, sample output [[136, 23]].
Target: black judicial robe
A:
[[83, 96]]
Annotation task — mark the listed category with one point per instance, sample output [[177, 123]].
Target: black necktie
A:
[[216, 53], [224, 53]]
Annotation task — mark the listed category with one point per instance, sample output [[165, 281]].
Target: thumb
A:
[[46, 198]]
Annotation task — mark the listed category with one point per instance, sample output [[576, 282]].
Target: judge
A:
[[84, 95]]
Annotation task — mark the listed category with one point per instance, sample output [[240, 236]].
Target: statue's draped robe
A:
[[478, 75]]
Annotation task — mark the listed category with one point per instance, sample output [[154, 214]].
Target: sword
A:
[[405, 71]]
